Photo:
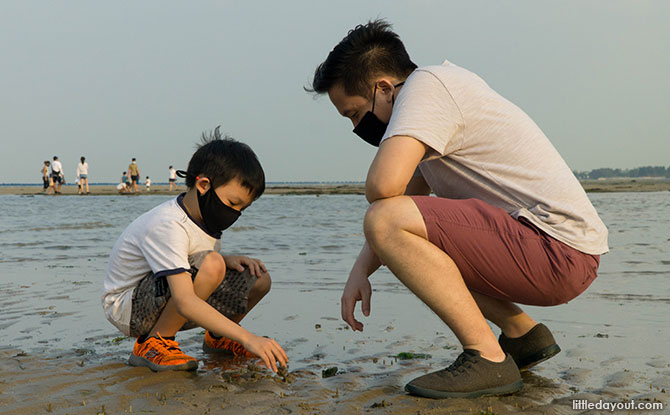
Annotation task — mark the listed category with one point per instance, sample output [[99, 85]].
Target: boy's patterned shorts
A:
[[152, 294]]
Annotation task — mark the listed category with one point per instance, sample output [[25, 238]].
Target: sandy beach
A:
[[591, 186], [59, 355]]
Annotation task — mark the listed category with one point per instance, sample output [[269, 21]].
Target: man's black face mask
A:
[[370, 128]]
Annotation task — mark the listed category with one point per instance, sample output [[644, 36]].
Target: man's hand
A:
[[237, 262], [357, 289], [268, 350]]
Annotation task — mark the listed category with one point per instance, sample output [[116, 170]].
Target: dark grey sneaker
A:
[[532, 348], [469, 376]]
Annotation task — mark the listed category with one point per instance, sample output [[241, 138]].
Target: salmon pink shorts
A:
[[505, 258]]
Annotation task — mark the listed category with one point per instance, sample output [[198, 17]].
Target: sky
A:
[[116, 80]]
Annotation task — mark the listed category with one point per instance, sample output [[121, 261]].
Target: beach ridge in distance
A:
[[590, 186]]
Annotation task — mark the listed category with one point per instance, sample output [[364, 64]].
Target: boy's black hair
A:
[[367, 51], [222, 159]]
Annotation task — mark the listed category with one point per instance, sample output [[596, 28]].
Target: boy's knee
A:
[[263, 284], [213, 268]]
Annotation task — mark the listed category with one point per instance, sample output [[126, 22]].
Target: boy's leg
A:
[[209, 276], [258, 291]]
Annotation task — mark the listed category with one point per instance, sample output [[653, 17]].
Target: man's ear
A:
[[385, 85]]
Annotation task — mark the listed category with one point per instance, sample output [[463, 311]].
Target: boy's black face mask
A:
[[216, 215], [370, 128]]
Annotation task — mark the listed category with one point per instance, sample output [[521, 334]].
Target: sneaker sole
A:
[[436, 394], [135, 360], [539, 357]]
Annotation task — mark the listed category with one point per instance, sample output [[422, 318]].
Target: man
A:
[[134, 173], [57, 176], [510, 223]]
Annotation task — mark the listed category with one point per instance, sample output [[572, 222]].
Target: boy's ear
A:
[[202, 185]]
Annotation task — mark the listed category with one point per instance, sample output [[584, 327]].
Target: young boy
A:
[[147, 183], [166, 274]]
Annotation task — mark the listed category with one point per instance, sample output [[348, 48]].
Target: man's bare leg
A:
[[396, 231], [513, 321]]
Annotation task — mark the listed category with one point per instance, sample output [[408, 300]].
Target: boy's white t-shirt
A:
[[160, 241], [485, 147]]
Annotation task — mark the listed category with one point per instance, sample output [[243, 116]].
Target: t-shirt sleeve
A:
[[165, 248], [426, 111]]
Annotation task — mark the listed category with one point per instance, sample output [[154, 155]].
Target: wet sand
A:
[[59, 355], [599, 186]]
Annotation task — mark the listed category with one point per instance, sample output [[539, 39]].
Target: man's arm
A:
[[417, 186], [393, 167]]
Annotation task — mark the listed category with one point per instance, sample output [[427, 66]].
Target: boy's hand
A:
[[357, 289], [268, 350], [237, 262]]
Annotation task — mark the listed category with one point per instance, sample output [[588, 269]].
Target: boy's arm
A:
[[195, 309]]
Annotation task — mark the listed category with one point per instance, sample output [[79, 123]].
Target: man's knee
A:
[[213, 269], [386, 216]]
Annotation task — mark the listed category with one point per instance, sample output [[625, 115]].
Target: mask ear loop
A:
[[374, 98]]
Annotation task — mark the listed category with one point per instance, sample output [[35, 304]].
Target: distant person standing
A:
[[47, 184], [57, 176], [134, 173], [147, 183], [173, 178], [82, 174]]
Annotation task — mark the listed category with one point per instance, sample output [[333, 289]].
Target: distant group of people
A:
[[53, 177]]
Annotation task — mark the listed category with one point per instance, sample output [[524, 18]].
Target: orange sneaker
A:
[[159, 354], [224, 345]]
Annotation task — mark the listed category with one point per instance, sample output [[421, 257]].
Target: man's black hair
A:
[[222, 159], [367, 51], [55, 157]]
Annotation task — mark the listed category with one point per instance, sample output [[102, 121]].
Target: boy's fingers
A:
[[282, 352], [273, 361]]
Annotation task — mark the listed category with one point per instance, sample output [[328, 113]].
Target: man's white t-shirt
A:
[[56, 167], [482, 146], [173, 174], [160, 241]]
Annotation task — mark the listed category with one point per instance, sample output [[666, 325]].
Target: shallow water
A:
[[54, 250]]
